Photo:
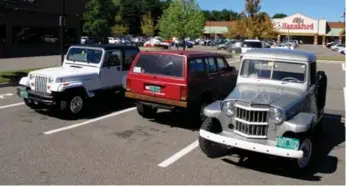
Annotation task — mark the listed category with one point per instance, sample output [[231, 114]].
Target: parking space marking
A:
[[12, 105], [179, 154], [89, 121], [2, 96]]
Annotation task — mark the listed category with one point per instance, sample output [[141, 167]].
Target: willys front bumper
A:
[[250, 146]]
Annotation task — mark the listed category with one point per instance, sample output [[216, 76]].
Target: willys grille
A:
[[251, 122], [41, 83]]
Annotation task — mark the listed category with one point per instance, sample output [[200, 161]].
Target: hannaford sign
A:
[[298, 23]]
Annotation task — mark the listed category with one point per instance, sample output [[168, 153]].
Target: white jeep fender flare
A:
[[24, 81], [61, 87]]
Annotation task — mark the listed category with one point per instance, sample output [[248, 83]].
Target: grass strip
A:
[[14, 76]]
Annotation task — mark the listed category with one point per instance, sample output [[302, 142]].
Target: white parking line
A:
[[12, 105], [89, 121], [2, 96], [179, 154]]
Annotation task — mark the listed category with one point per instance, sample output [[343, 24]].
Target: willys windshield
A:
[[274, 70], [85, 55]]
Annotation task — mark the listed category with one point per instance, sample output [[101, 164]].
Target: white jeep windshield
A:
[[86, 55], [274, 70]]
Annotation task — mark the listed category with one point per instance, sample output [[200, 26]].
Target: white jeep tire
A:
[[72, 105]]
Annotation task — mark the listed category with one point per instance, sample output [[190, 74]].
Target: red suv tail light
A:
[[128, 85], [183, 93]]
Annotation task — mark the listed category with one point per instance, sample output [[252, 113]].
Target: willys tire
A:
[[303, 165], [72, 105], [146, 111], [210, 148]]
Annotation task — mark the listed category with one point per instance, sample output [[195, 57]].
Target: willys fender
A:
[[302, 122], [213, 110]]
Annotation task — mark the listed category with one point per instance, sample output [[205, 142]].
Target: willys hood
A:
[[280, 97], [67, 72]]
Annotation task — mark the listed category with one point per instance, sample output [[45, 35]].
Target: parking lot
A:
[[112, 144]]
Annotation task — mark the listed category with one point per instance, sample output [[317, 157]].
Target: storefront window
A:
[[35, 35], [70, 36], [2, 34]]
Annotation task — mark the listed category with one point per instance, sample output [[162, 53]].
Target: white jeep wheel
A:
[[76, 104], [306, 147]]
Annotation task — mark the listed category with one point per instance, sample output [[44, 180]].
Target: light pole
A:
[[62, 29]]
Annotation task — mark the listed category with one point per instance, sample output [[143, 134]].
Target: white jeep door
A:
[[111, 71]]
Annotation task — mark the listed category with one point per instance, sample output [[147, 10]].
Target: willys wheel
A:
[[306, 147], [72, 105], [212, 149], [303, 165], [146, 111]]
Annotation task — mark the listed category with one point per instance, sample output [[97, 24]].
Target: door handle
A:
[[211, 78]]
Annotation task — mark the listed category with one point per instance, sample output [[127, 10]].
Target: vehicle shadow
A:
[[176, 119], [332, 137], [96, 107]]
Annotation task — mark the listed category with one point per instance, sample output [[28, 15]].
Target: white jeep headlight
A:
[[228, 108], [276, 115]]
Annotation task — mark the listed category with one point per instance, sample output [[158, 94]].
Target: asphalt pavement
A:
[[112, 144]]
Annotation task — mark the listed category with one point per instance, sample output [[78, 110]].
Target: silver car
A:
[[275, 108]]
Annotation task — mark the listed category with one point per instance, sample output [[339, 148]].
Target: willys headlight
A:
[[31, 76], [276, 115], [228, 108]]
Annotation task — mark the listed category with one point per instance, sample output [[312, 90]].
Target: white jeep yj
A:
[[86, 71]]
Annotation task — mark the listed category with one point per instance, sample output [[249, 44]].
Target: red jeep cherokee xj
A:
[[174, 80]]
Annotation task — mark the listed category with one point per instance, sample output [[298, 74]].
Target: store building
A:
[[297, 26], [31, 27]]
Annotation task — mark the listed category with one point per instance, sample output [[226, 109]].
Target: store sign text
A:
[[298, 24]]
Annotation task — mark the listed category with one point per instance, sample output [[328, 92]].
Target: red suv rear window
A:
[[160, 64]]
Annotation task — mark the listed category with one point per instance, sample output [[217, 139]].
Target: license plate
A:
[[24, 94], [155, 89], [287, 143]]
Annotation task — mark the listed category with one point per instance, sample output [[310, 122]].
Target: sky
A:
[[330, 10]]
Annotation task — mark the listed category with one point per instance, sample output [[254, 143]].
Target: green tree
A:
[[119, 29], [181, 19], [147, 25], [253, 24], [97, 17], [279, 15]]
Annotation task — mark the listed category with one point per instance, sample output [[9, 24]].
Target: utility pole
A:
[[62, 29]]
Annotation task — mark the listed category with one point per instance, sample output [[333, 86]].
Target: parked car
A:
[[284, 46], [337, 47], [224, 45], [250, 44], [87, 71], [178, 80], [275, 109]]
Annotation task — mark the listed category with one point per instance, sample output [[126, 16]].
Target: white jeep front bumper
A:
[[250, 146]]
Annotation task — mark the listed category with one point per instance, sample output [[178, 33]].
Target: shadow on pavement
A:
[[332, 137], [97, 107], [176, 119]]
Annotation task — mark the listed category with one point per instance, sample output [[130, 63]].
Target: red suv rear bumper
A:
[[156, 100]]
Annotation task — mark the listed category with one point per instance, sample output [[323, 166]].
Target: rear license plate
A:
[[287, 143], [155, 89], [24, 94]]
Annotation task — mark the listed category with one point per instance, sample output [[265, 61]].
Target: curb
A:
[[9, 84], [330, 61]]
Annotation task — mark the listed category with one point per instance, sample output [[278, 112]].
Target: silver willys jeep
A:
[[274, 109]]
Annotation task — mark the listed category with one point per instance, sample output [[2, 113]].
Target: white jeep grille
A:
[[41, 83], [251, 122]]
